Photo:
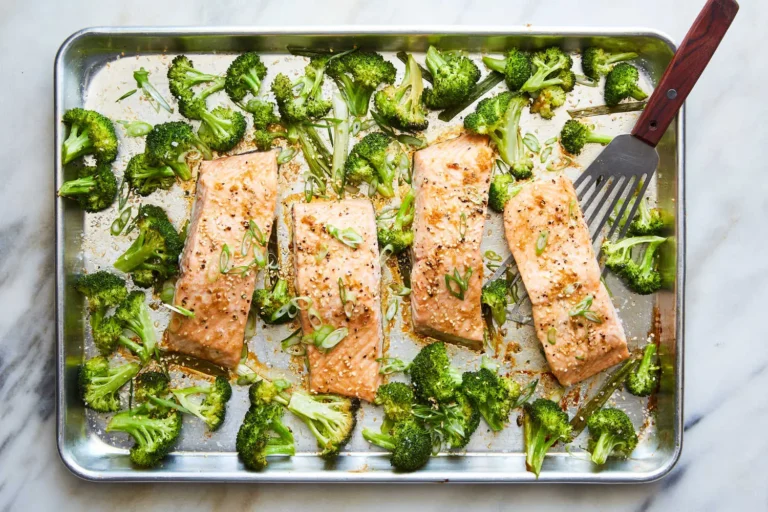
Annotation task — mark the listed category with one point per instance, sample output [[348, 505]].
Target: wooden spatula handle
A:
[[686, 67]]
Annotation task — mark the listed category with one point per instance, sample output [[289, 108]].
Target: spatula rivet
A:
[[671, 94], [652, 125]]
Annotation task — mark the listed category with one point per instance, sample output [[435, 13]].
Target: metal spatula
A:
[[628, 163]]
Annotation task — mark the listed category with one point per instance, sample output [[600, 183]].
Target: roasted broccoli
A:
[[551, 67], [265, 124], [373, 161], [596, 61], [575, 135], [154, 256], [452, 423], [644, 277], [494, 297], [409, 442], [182, 76], [648, 221], [263, 432], [544, 424], [499, 118], [156, 99], [95, 189], [611, 434], [100, 384], [621, 84], [399, 236], [213, 407], [154, 434], [493, 396], [516, 68], [170, 144], [645, 378], [302, 100], [433, 377], [358, 74], [134, 314], [90, 133], [151, 383], [454, 77], [397, 399], [274, 305], [618, 255], [547, 100], [503, 188], [401, 106], [144, 178], [244, 75], [222, 128], [103, 291]]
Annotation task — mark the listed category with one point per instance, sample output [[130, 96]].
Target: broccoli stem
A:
[[617, 57], [538, 80], [508, 139], [154, 172], [283, 444], [599, 139], [603, 448], [536, 448], [115, 380], [77, 144], [379, 439], [498, 65], [340, 142], [136, 255], [77, 187], [222, 127], [357, 96], [435, 60], [405, 213], [252, 80], [647, 360]]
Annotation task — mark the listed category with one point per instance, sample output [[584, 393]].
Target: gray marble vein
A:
[[726, 357]]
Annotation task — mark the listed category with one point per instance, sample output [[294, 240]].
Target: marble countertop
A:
[[726, 360]]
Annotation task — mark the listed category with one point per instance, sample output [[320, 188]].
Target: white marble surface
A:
[[726, 358]]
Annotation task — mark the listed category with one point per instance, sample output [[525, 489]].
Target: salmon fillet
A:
[[231, 192], [451, 182], [350, 368], [564, 274]]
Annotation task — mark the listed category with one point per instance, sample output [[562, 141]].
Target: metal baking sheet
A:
[[93, 68]]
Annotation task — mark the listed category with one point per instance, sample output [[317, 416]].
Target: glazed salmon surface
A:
[[350, 368], [231, 192], [451, 181], [560, 277]]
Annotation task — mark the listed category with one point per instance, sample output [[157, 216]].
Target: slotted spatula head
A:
[[626, 165]]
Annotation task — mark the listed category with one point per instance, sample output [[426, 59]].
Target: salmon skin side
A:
[[560, 278], [451, 181], [231, 192], [350, 368]]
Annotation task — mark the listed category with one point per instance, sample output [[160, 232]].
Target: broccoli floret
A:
[[644, 277], [144, 178], [547, 100], [550, 67], [213, 407], [358, 74], [618, 255], [645, 378], [611, 434], [369, 162], [170, 143], [503, 188], [274, 305], [262, 434], [433, 377], [154, 435], [516, 68], [134, 314], [499, 118], [107, 333], [222, 128], [452, 423], [399, 236], [648, 221], [99, 384], [621, 84], [596, 61], [244, 75], [103, 291], [492, 395], [151, 383], [330, 418], [494, 297], [544, 424], [302, 100], [90, 133], [95, 189], [154, 256], [454, 77], [401, 106], [182, 76], [397, 400], [409, 442], [575, 135]]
